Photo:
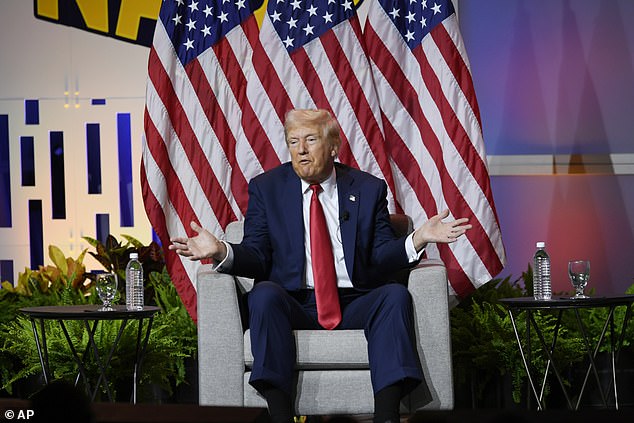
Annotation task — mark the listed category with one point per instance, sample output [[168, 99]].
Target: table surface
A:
[[88, 312], [567, 302]]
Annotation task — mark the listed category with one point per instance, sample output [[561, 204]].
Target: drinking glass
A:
[[106, 289], [579, 272]]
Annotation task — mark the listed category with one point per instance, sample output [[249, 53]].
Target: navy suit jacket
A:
[[273, 245]]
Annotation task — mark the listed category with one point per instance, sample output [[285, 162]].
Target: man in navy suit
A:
[[276, 252]]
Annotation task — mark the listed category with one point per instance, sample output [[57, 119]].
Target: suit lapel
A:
[[294, 218], [349, 214]]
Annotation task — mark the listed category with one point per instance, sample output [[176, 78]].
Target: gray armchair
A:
[[333, 375]]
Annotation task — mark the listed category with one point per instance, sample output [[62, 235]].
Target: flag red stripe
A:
[[205, 174], [215, 115], [156, 215], [255, 134], [270, 80], [460, 281], [404, 160], [452, 124], [313, 84], [183, 285], [357, 97], [258, 138], [458, 67], [175, 190], [462, 75]]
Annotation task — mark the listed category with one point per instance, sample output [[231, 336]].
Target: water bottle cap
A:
[[540, 244], [134, 255]]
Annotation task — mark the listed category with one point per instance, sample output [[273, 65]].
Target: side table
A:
[[529, 305], [91, 318]]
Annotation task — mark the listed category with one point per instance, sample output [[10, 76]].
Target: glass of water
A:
[[579, 272], [106, 289]]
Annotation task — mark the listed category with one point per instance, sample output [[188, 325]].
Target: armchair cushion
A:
[[320, 349]]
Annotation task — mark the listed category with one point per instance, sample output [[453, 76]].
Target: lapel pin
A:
[[352, 198]]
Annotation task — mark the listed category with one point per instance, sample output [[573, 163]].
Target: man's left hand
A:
[[435, 230]]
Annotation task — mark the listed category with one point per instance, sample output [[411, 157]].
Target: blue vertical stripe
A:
[[27, 161], [6, 271], [93, 159], [156, 238], [102, 227], [36, 234], [58, 188], [32, 112], [124, 137], [5, 174]]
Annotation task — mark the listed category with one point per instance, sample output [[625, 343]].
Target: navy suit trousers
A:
[[384, 313]]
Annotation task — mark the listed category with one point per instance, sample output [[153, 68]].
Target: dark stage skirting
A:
[[18, 411], [140, 413]]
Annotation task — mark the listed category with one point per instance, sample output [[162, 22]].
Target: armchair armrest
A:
[[427, 284], [220, 340]]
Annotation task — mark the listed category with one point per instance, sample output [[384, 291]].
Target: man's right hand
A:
[[203, 245]]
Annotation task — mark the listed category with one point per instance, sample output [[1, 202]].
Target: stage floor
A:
[[21, 410]]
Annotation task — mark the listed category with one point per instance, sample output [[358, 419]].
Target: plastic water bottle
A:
[[134, 283], [541, 273]]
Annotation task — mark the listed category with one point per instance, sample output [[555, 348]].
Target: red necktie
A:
[[324, 275]]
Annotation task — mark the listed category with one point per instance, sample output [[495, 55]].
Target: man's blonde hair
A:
[[330, 129]]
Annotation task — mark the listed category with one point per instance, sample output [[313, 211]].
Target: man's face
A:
[[312, 155]]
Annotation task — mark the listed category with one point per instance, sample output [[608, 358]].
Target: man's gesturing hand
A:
[[435, 230], [203, 245]]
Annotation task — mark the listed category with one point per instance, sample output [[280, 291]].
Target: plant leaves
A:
[[8, 286], [58, 258], [92, 241], [132, 240]]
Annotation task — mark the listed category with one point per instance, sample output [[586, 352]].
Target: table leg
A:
[[115, 343], [78, 360], [592, 367], [626, 320], [83, 356], [140, 352], [613, 362], [529, 356], [616, 346], [551, 358], [100, 364], [42, 350], [552, 350], [526, 366]]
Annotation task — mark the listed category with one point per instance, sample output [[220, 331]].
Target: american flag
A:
[[311, 55], [194, 140], [219, 86], [433, 130]]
